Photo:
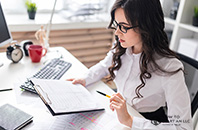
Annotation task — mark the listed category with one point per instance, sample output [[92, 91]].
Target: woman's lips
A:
[[122, 40]]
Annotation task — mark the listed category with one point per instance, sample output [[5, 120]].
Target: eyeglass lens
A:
[[121, 27]]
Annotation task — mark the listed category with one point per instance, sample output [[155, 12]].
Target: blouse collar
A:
[[129, 52]]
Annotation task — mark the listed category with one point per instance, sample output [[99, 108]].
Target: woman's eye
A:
[[125, 28]]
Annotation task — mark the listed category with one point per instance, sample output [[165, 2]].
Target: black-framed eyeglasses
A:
[[122, 28]]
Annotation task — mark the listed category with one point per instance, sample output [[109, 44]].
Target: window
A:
[[18, 6]]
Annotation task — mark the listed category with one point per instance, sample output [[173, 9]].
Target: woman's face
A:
[[131, 38]]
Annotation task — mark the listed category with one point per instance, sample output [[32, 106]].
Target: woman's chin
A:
[[123, 45]]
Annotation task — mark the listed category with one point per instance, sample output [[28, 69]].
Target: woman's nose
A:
[[117, 32]]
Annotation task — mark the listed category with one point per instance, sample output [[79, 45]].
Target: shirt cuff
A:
[[88, 81], [87, 78], [137, 123]]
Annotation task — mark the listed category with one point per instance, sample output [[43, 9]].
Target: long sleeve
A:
[[98, 71], [178, 103]]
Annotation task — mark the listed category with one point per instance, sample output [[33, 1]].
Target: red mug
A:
[[36, 52]]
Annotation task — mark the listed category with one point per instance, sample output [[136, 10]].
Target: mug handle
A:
[[45, 51]]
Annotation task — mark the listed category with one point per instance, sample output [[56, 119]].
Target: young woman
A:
[[146, 72]]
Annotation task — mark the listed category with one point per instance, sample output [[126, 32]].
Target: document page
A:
[[63, 96], [100, 120]]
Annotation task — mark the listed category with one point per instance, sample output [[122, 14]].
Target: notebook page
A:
[[63, 96]]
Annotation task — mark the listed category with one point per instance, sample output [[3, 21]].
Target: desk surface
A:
[[12, 75]]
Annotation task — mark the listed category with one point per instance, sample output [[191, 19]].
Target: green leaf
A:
[[196, 12], [31, 6]]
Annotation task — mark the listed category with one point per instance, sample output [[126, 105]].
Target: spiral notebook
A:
[[63, 97]]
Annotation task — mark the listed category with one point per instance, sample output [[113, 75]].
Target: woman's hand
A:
[[77, 81], [118, 103]]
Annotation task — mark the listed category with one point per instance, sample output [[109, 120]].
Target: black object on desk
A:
[[12, 118], [26, 44], [55, 69], [1, 90]]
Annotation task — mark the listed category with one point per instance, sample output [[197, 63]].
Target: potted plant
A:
[[195, 17], [31, 9]]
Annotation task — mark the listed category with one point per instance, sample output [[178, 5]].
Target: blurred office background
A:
[[80, 26]]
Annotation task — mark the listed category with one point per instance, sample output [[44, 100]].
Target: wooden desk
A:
[[11, 74]]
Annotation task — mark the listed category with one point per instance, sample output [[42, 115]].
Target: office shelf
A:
[[182, 25], [189, 27], [169, 20]]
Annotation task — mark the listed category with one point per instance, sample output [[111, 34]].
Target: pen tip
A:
[[98, 91]]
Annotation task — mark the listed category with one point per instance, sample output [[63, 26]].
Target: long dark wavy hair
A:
[[149, 17]]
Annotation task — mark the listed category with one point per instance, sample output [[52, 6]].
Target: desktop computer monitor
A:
[[5, 35]]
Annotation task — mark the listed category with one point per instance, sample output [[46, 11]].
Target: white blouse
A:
[[159, 90]]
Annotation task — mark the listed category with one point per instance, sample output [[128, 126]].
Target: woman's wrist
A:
[[129, 122]]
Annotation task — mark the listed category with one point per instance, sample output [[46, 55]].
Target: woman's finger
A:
[[113, 105], [116, 99], [71, 79], [76, 81], [119, 95], [113, 94], [79, 81], [116, 103]]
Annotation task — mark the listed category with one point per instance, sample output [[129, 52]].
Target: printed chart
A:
[[100, 120]]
